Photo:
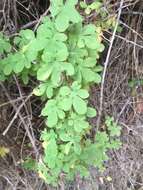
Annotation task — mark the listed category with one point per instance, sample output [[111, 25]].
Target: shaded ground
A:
[[125, 169]]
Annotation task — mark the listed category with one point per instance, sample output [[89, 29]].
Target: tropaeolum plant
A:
[[62, 54]]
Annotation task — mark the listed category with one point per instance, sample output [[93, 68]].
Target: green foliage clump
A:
[[62, 55]]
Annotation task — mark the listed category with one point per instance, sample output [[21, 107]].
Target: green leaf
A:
[[79, 105], [18, 67], [83, 93], [64, 91], [49, 91], [98, 68], [55, 7], [60, 36], [68, 67], [62, 22], [52, 118], [97, 78], [91, 112], [88, 75], [61, 52], [64, 137], [80, 124], [48, 107], [77, 148], [89, 38], [56, 76], [25, 77], [27, 34], [65, 104], [8, 69], [44, 72], [89, 29], [61, 114], [40, 90]]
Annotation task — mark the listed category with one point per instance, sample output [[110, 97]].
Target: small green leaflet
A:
[[91, 112]]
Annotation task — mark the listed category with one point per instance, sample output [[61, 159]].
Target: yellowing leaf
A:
[[41, 175], [3, 151]]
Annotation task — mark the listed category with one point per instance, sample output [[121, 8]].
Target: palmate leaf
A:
[[79, 123], [44, 88], [54, 63], [79, 105], [15, 63], [54, 70], [72, 128], [24, 38], [48, 31], [89, 38], [56, 49], [86, 71], [74, 96], [53, 111], [64, 13]]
